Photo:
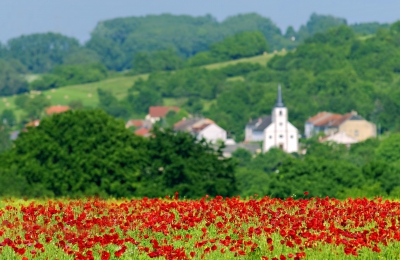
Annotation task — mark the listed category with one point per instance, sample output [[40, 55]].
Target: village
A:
[[261, 134]]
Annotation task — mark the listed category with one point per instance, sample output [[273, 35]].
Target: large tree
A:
[[178, 162], [76, 153], [42, 51]]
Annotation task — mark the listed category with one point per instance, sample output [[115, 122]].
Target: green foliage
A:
[[79, 153], [242, 155], [42, 51], [8, 118], [65, 75], [195, 82], [156, 61], [388, 150], [320, 177], [118, 39], [180, 163], [11, 82], [109, 103], [88, 153], [241, 45], [5, 141], [32, 105], [173, 117]]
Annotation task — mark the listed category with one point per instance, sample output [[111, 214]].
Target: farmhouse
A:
[[351, 124], [202, 128], [279, 132], [56, 109], [158, 112]]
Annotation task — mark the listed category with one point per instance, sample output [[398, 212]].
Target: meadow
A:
[[207, 228], [118, 85]]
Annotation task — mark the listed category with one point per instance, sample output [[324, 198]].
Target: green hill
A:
[[87, 93]]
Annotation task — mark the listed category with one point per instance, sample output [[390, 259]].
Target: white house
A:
[[211, 132], [280, 132], [254, 130], [203, 128]]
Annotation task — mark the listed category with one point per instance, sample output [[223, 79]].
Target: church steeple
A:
[[279, 101]]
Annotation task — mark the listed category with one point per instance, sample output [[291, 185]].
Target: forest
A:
[[328, 66]]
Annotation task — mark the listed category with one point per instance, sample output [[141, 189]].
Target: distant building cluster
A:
[[261, 134]]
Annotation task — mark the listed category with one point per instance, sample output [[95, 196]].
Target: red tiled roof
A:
[[34, 123], [142, 131], [328, 119], [136, 123], [56, 109], [161, 111]]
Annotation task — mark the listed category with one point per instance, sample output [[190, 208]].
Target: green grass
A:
[[261, 59], [118, 85]]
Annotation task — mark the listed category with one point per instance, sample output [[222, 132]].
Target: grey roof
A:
[[260, 123], [356, 117], [279, 101], [185, 124], [251, 147], [14, 135]]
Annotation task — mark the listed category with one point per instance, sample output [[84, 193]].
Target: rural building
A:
[[254, 130], [202, 128], [139, 123], [353, 125], [56, 109], [340, 138], [280, 132], [158, 112]]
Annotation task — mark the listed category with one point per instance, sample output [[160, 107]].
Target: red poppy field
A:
[[219, 228]]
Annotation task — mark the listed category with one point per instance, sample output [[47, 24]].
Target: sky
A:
[[77, 18]]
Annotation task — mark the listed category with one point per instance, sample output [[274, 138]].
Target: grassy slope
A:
[[119, 86]]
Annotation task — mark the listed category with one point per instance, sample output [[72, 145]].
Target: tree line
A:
[[115, 42]]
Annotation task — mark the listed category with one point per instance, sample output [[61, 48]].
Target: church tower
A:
[[280, 133]]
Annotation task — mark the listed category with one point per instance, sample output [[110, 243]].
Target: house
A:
[[138, 123], [143, 132], [202, 128], [158, 112], [210, 132], [280, 132], [254, 130], [340, 138], [34, 123], [352, 124], [56, 109]]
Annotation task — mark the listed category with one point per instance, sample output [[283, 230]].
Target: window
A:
[[270, 137], [291, 136], [280, 112], [280, 124], [356, 133], [281, 136]]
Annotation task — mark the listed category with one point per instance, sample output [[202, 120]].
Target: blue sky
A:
[[77, 18]]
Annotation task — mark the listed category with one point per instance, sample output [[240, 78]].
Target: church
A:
[[280, 132]]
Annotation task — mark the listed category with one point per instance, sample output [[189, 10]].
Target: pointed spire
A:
[[279, 101]]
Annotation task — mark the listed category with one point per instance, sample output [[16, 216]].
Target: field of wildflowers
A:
[[218, 228]]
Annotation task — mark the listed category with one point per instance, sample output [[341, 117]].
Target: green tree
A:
[[8, 117], [245, 44], [388, 150], [10, 81], [78, 153], [5, 141], [35, 106], [181, 163], [109, 103], [42, 51]]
